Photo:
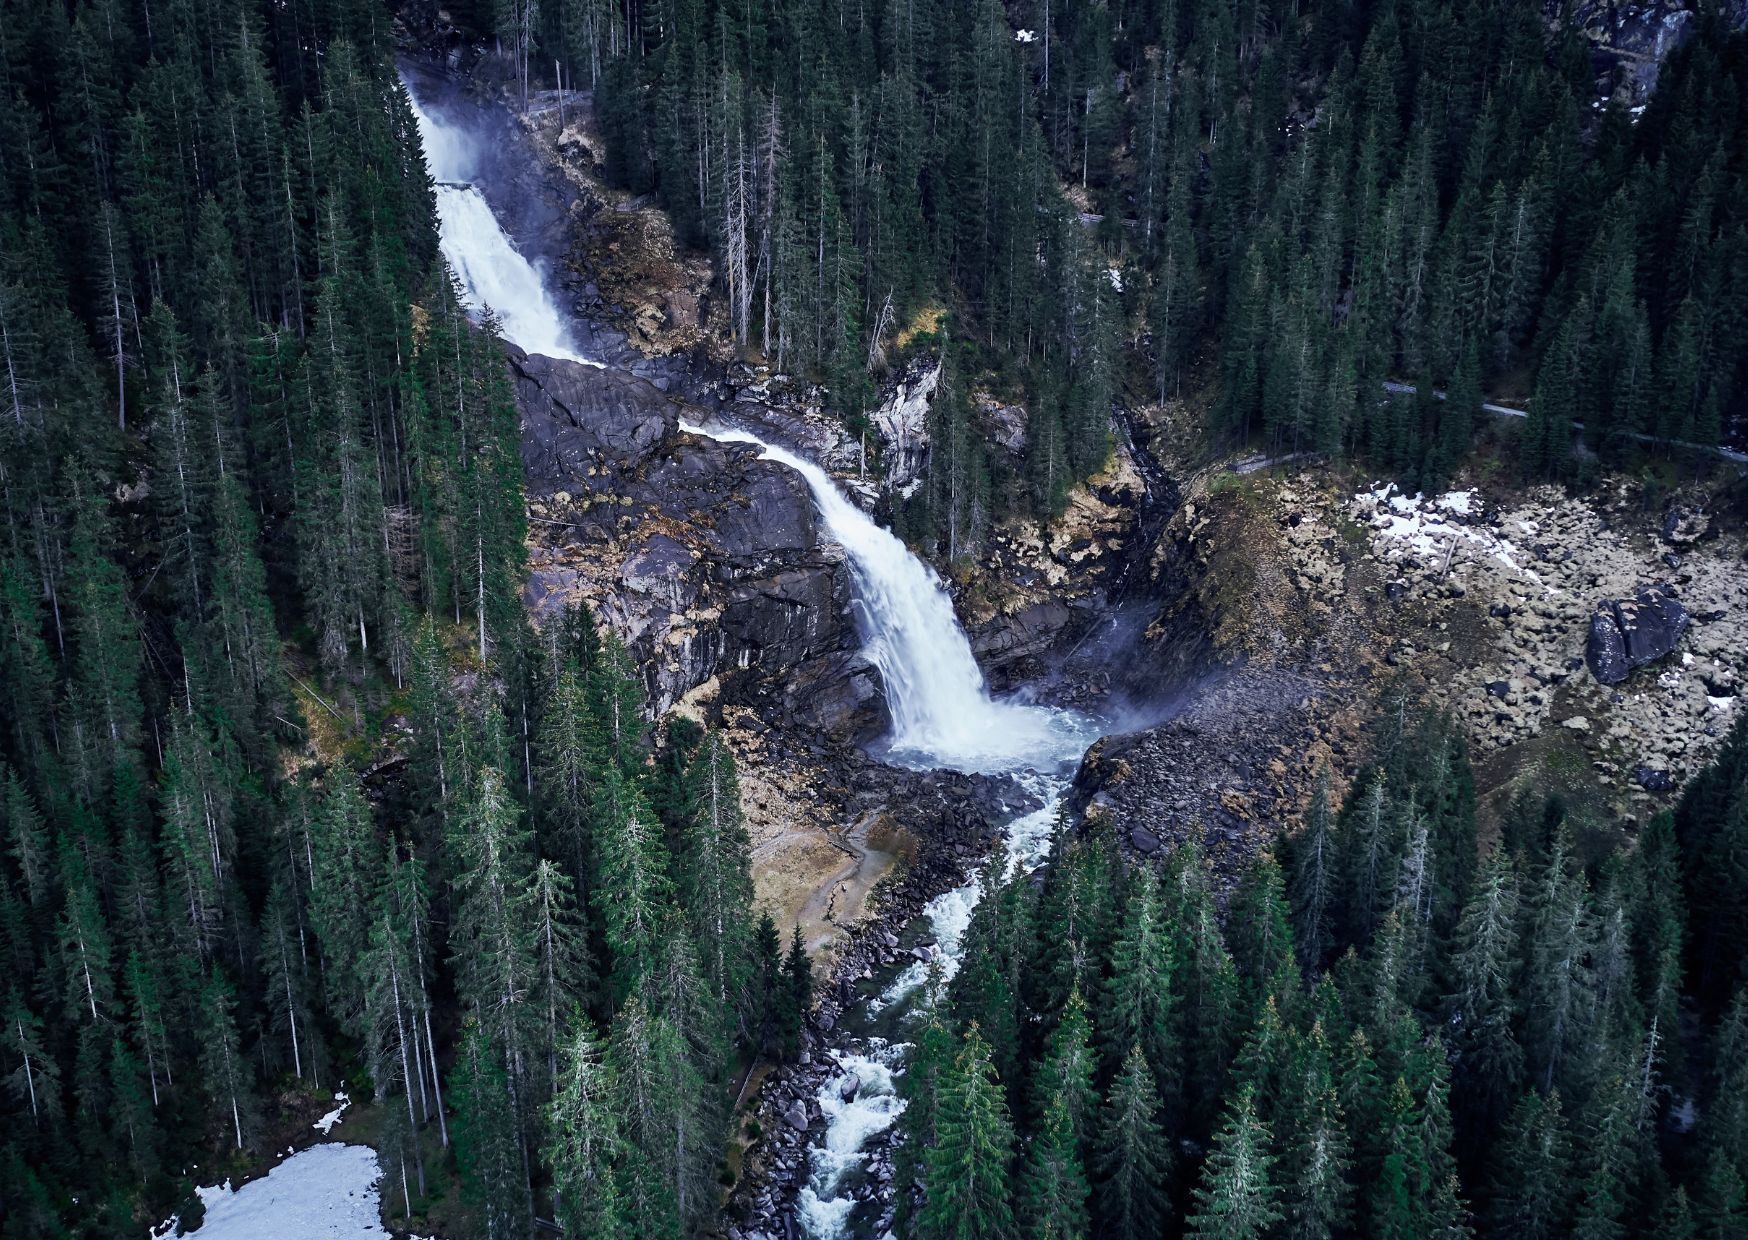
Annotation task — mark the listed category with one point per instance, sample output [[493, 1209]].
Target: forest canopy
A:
[[292, 799], [1270, 209], [1386, 1028]]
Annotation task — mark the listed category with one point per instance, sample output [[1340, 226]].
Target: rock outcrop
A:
[[579, 420], [1629, 633], [902, 422], [1632, 38], [706, 559]]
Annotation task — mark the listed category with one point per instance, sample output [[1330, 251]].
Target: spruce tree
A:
[[1139, 1005], [1260, 937], [921, 1087], [224, 1064], [1066, 1075], [26, 837], [561, 955], [565, 774], [491, 942], [1134, 1160], [487, 1144], [1053, 1186], [1236, 1198], [1531, 1182], [1314, 885], [284, 982], [715, 886], [630, 883], [582, 1142], [1316, 1153], [659, 1095], [32, 1077], [1487, 1058], [344, 859], [968, 1193]]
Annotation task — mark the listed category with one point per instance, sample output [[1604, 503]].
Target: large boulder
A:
[[1629, 633], [577, 417], [1683, 526]]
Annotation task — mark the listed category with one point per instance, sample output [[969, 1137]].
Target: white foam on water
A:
[[493, 273], [849, 1126]]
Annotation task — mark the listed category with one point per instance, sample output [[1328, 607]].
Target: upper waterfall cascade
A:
[[494, 274]]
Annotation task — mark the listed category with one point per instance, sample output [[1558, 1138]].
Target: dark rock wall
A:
[[706, 559]]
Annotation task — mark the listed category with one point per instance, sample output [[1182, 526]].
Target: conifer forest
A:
[[945, 619]]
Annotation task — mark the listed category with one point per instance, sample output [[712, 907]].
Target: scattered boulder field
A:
[[1606, 630], [1625, 624]]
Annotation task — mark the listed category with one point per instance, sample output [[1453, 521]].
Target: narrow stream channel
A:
[[837, 1202]]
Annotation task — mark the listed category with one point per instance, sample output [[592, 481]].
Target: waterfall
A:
[[942, 713], [493, 273]]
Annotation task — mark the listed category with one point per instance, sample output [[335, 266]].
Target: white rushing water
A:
[[1027, 839], [821, 1207], [825, 1208], [493, 273], [942, 712]]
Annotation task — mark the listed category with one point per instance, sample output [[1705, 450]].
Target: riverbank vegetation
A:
[[1389, 1029]]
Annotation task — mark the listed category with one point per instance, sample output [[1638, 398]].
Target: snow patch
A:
[[328, 1192], [1430, 530], [325, 1125]]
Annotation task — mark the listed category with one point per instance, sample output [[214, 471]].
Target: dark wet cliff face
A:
[[706, 558]]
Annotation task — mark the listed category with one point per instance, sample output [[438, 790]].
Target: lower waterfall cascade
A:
[[943, 714]]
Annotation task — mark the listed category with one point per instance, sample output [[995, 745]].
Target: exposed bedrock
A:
[[705, 558]]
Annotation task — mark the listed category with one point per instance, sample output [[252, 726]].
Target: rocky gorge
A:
[[1233, 628]]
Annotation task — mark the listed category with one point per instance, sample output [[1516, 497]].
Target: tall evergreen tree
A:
[[968, 1192], [1133, 1156], [1237, 1196]]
